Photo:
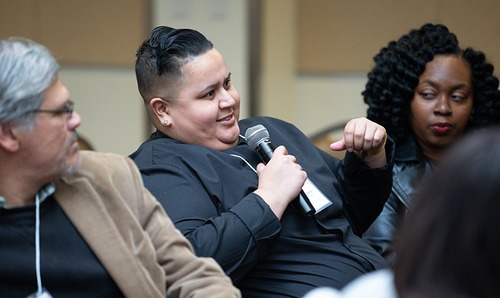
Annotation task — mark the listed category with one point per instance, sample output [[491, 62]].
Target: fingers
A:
[[363, 134], [260, 168], [282, 150], [280, 181], [280, 153], [338, 146]]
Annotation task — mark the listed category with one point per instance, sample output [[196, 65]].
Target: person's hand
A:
[[280, 181], [366, 138]]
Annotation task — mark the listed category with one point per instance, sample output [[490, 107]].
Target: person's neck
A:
[[18, 194], [434, 154]]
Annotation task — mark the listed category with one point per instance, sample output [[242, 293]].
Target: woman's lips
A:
[[441, 128], [227, 118]]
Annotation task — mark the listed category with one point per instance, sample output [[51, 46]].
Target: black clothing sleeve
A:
[[361, 210]]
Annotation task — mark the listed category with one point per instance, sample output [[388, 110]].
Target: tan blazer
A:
[[131, 234]]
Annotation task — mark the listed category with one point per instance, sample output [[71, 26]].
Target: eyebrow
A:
[[454, 87], [59, 106], [212, 86]]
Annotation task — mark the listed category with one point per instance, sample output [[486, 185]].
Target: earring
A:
[[165, 121]]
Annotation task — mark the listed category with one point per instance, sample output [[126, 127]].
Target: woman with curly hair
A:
[[447, 246], [426, 91]]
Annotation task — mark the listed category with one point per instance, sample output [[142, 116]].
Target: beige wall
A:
[[316, 53], [107, 97], [104, 90], [113, 116], [311, 102]]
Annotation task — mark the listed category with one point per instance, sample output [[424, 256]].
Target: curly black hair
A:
[[398, 66]]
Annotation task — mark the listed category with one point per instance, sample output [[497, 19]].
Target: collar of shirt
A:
[[241, 140], [408, 151], [45, 192]]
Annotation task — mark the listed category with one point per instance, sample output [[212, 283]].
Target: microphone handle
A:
[[306, 205], [265, 151]]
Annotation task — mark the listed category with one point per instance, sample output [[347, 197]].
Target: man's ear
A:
[[161, 110], [8, 138]]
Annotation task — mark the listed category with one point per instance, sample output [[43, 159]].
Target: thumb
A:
[[338, 145], [260, 168]]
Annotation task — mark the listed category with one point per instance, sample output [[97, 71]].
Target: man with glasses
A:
[[79, 224], [68, 109]]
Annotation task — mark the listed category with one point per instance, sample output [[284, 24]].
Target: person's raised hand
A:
[[366, 138]]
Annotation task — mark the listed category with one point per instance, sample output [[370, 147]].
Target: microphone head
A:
[[256, 135]]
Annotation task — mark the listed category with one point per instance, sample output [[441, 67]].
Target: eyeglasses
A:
[[67, 109]]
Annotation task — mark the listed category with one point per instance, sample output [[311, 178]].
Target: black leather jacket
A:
[[410, 167]]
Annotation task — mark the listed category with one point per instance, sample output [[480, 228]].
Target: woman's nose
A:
[[442, 105]]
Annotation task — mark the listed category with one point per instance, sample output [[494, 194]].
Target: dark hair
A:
[[450, 243], [392, 81], [160, 58]]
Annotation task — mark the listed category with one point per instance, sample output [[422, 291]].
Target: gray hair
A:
[[28, 69]]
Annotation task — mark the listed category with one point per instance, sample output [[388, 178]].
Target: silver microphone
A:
[[311, 199]]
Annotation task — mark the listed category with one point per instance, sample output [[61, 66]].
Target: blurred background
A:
[[304, 61]]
